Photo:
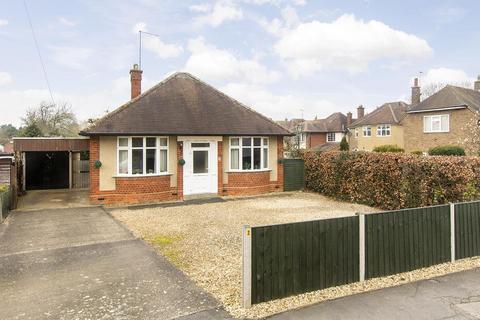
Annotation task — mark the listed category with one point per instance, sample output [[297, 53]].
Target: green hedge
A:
[[388, 148], [393, 180], [447, 151]]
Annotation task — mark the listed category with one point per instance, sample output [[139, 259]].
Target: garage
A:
[[52, 163]]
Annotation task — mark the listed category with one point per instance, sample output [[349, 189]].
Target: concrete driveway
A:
[[82, 264]]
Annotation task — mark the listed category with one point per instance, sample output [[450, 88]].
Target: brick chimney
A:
[[476, 85], [416, 93], [135, 81], [360, 112], [349, 118]]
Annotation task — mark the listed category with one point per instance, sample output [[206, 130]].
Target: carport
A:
[[52, 163]]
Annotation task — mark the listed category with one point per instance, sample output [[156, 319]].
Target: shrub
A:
[[388, 148], [3, 188], [417, 152], [392, 180], [447, 151], [344, 144]]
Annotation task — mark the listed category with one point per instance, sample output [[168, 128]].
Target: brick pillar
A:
[[220, 167], [180, 170], [280, 165], [94, 172]]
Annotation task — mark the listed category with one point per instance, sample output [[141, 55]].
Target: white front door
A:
[[200, 171]]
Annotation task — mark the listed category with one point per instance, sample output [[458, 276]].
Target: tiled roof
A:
[[450, 97], [389, 113]]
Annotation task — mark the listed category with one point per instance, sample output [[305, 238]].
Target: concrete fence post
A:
[[247, 267], [361, 224], [452, 232]]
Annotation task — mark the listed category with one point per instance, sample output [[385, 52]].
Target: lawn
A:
[[205, 240]]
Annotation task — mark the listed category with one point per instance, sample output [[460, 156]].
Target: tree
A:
[[32, 130], [7, 131], [344, 144], [292, 144], [52, 120]]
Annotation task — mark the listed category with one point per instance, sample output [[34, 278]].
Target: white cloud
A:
[[346, 44], [71, 57], [215, 64], [280, 27], [204, 7], [446, 76], [66, 22], [222, 11], [154, 44], [3, 22], [5, 78], [281, 106]]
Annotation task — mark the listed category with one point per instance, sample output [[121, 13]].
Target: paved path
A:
[[454, 296], [82, 264]]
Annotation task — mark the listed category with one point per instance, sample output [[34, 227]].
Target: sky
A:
[[284, 58]]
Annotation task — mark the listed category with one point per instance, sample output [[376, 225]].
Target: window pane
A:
[[246, 158], [256, 158], [265, 158], [200, 161], [163, 142], [257, 141], [151, 160], [123, 162], [436, 124], [163, 161], [123, 142], [151, 142], [200, 145], [265, 141], [445, 124], [137, 142], [234, 159], [137, 161], [234, 141], [427, 124], [246, 142]]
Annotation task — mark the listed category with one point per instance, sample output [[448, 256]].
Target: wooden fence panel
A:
[[467, 229], [405, 240], [294, 174], [295, 258], [80, 174]]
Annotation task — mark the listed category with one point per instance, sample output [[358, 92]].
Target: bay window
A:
[[248, 153], [142, 155]]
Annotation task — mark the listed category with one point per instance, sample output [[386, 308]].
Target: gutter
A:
[[437, 109]]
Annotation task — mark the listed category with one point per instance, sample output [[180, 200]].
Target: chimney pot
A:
[[135, 81], [476, 85], [416, 92], [349, 118], [360, 112]]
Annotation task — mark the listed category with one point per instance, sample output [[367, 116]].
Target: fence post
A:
[[452, 232], [361, 224], [247, 267]]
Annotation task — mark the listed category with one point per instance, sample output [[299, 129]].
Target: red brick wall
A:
[[316, 139]]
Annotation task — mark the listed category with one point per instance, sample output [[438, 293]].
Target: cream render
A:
[[272, 157], [362, 143]]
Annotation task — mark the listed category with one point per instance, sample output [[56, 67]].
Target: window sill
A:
[[428, 132], [142, 175], [247, 171]]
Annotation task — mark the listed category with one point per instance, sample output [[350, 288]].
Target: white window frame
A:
[[439, 117], [129, 148], [329, 137], [367, 129], [384, 128], [240, 154]]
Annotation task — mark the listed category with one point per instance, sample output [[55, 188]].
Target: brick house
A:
[[182, 138], [379, 127], [448, 117], [319, 134]]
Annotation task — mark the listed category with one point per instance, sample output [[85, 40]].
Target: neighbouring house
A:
[[319, 134], [181, 138], [379, 127], [448, 117], [6, 168]]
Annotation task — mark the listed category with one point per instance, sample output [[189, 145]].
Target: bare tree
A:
[[433, 88], [53, 120]]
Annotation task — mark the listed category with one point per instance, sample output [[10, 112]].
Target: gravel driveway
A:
[[204, 240]]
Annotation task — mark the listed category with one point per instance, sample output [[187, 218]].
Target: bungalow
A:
[[181, 138], [379, 127], [448, 117]]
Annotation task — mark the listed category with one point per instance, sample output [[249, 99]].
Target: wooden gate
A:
[[294, 174], [80, 174]]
